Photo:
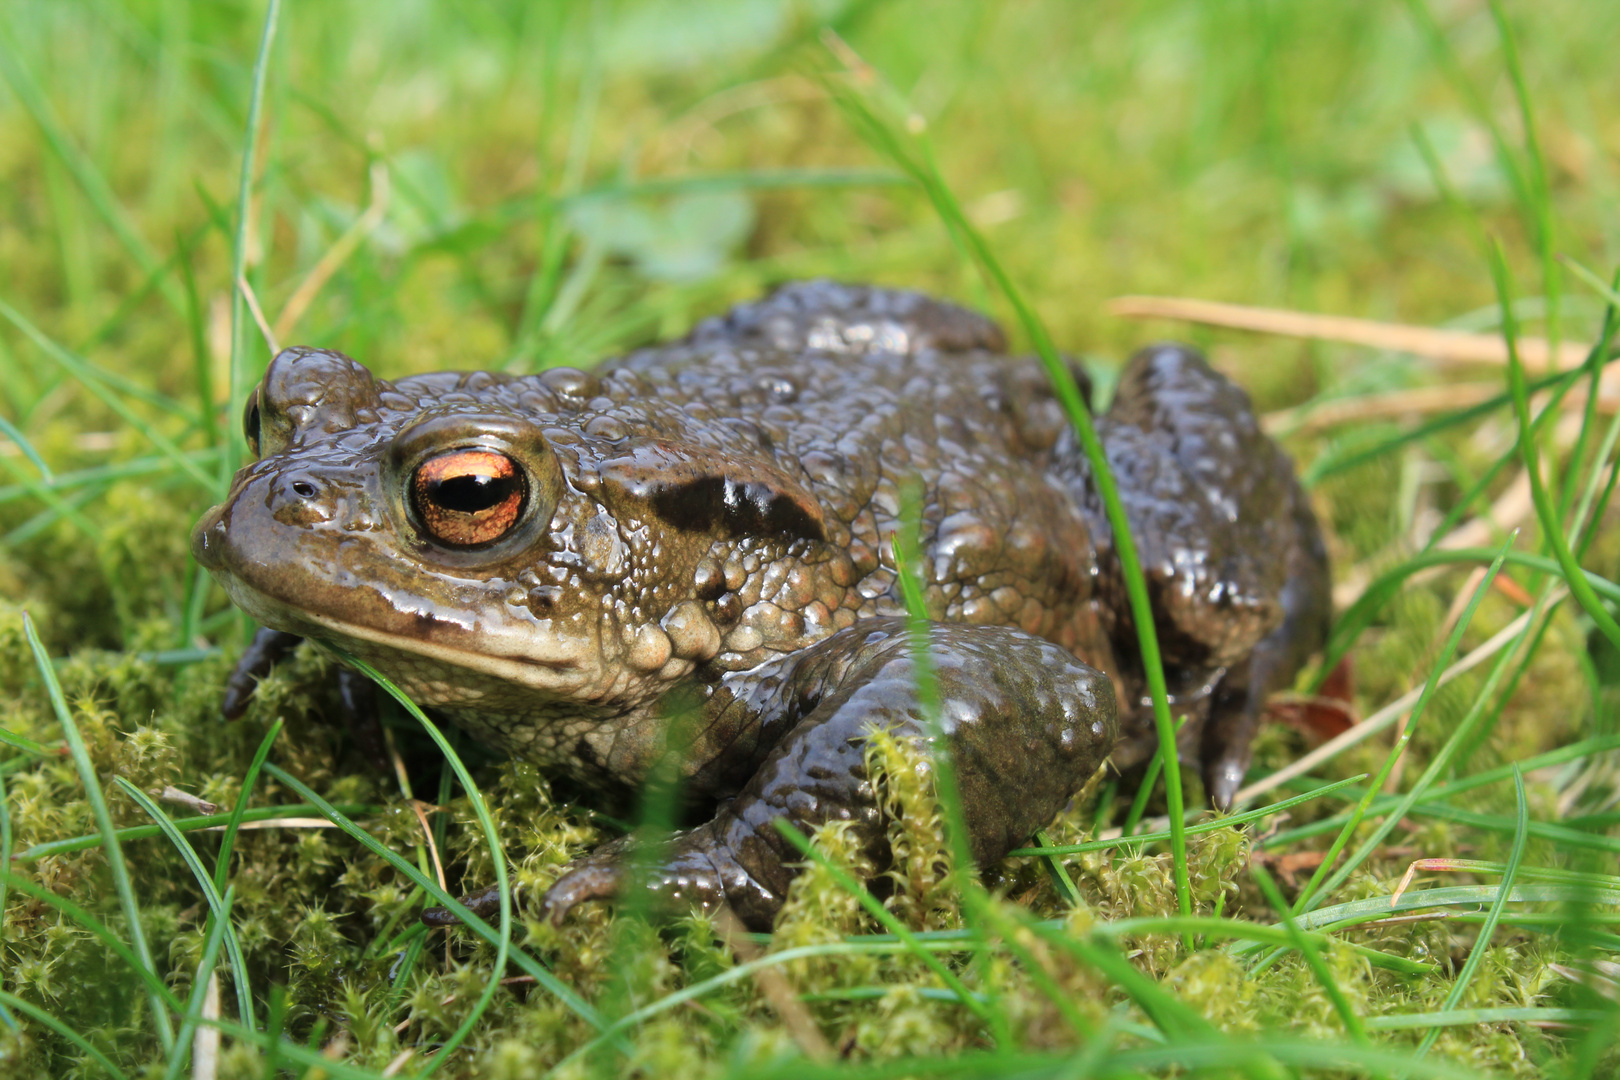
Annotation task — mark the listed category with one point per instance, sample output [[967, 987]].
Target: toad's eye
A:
[[250, 422], [467, 498]]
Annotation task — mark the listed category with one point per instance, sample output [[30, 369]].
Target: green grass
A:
[[510, 185]]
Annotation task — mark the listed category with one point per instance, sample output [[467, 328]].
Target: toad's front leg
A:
[[1024, 722]]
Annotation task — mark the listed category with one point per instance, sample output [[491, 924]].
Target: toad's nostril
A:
[[303, 489]]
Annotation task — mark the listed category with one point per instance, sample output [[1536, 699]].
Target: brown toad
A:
[[545, 558]]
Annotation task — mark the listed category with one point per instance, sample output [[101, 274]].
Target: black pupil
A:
[[250, 421], [472, 493]]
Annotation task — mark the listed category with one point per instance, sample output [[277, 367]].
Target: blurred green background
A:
[[1252, 150]]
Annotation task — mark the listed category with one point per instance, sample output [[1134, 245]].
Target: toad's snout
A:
[[208, 539]]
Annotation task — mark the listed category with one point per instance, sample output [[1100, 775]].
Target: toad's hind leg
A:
[[1024, 722]]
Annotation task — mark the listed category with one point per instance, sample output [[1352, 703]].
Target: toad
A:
[[551, 560]]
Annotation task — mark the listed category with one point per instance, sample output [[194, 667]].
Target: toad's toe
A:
[[589, 881]]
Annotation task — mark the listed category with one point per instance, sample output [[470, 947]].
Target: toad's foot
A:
[[357, 711]]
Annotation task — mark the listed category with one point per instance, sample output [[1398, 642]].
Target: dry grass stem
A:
[[1310, 419], [417, 806], [252, 299], [279, 823], [401, 1059], [1415, 401], [173, 795], [335, 257], [205, 1044], [1444, 346]]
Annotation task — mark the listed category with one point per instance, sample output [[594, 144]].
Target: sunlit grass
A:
[[452, 186]]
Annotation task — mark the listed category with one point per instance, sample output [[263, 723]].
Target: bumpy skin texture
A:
[[713, 517]]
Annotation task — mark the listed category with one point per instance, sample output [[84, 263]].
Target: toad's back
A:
[[856, 393]]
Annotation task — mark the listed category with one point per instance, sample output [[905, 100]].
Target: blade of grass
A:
[[1058, 873], [1528, 873], [143, 466], [1329, 466], [908, 563], [1349, 626], [10, 431], [1538, 206], [1128, 928], [1243, 930], [1594, 389], [1609, 292], [1354, 822], [57, 508], [1313, 959], [1562, 755], [1482, 944], [1340, 916], [921, 168], [237, 378], [1558, 834], [109, 838], [1440, 45], [222, 863], [134, 298], [1192, 830], [1387, 715], [1362, 613], [1150, 779], [202, 368], [545, 309], [219, 909], [206, 821], [400, 977], [1552, 531], [1468, 1017], [497, 855], [1438, 765], [39, 1015], [29, 746], [275, 1023], [1168, 1013], [199, 988]]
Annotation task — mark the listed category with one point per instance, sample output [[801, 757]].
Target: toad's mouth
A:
[[565, 670]]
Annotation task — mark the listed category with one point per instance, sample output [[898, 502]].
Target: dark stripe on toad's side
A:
[[723, 506]]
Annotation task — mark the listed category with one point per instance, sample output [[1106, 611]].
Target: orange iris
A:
[[466, 498]]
